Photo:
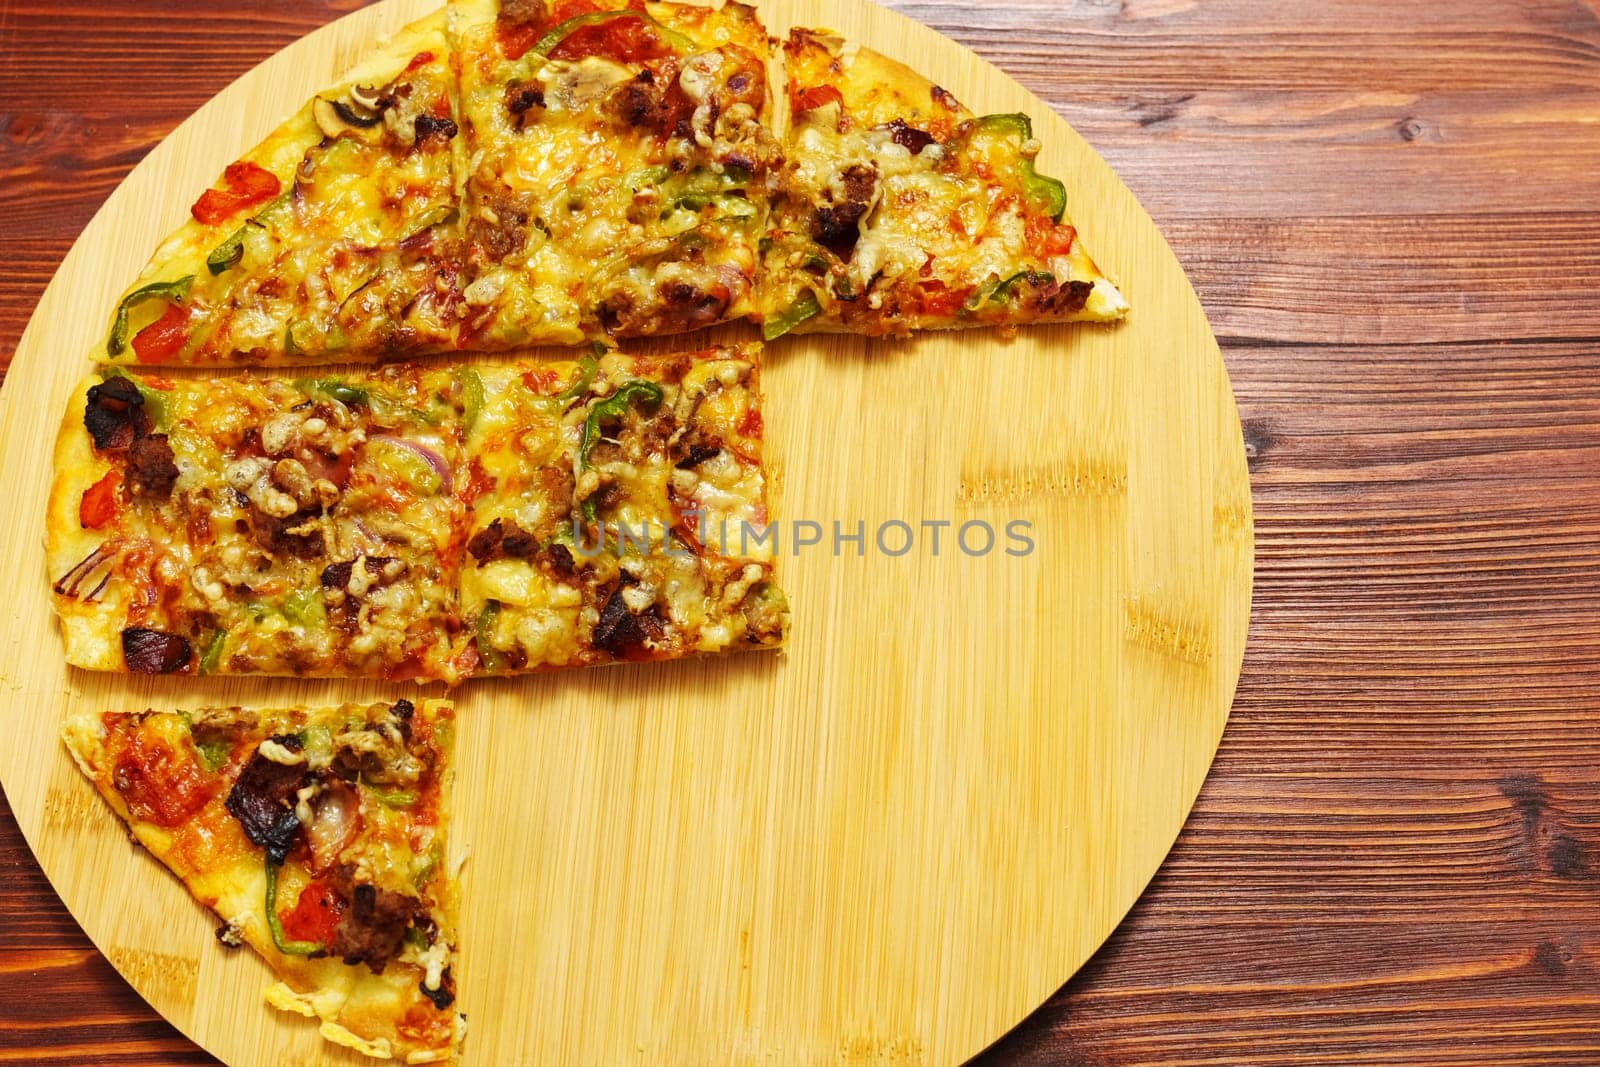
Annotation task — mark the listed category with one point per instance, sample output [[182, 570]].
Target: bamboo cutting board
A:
[[889, 843]]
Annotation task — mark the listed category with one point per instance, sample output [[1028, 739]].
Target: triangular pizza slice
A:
[[900, 210], [332, 240], [621, 158], [319, 837]]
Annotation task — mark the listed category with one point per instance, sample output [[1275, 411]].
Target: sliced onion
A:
[[336, 819], [434, 460]]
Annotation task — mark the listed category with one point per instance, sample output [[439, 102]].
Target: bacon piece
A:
[[154, 652]]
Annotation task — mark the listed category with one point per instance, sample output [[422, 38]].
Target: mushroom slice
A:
[[335, 117], [365, 96]]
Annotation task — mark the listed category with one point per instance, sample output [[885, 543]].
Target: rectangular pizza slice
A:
[[335, 239], [320, 839], [247, 525], [415, 522], [620, 513], [621, 158], [900, 210]]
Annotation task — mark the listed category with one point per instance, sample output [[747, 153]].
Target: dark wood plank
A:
[[1391, 215]]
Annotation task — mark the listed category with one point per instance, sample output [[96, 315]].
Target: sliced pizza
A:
[[619, 513], [332, 240], [319, 837], [416, 522], [621, 158], [255, 526], [900, 210]]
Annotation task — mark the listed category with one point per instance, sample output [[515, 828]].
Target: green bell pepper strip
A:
[[1046, 192], [282, 944], [228, 254], [213, 754], [175, 292], [333, 389], [438, 216], [317, 744], [304, 607], [611, 407], [645, 176], [587, 368], [562, 30], [471, 384], [213, 653], [1001, 290], [491, 657], [805, 307], [391, 798]]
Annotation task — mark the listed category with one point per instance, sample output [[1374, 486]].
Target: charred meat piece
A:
[[114, 415], [836, 225], [338, 575], [263, 799], [154, 652], [502, 539], [151, 470], [522, 98], [504, 232], [699, 450], [274, 534], [910, 138], [372, 929], [434, 130], [445, 995], [523, 12], [624, 634]]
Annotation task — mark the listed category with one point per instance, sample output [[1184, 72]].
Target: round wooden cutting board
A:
[[889, 843]]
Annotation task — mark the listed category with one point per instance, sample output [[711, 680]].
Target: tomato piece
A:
[[1050, 238], [516, 39], [418, 61], [476, 483], [817, 96], [245, 185], [541, 382], [158, 784], [315, 915], [624, 39], [99, 503], [939, 301], [163, 338], [750, 423]]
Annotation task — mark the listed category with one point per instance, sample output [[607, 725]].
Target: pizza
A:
[[320, 839], [900, 210], [415, 522], [509, 173], [502, 174], [334, 239], [622, 514], [621, 162], [247, 525]]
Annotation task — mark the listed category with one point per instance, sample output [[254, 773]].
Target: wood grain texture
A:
[[889, 844], [1396, 858]]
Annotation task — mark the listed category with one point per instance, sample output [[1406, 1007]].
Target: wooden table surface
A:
[[1392, 214]]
